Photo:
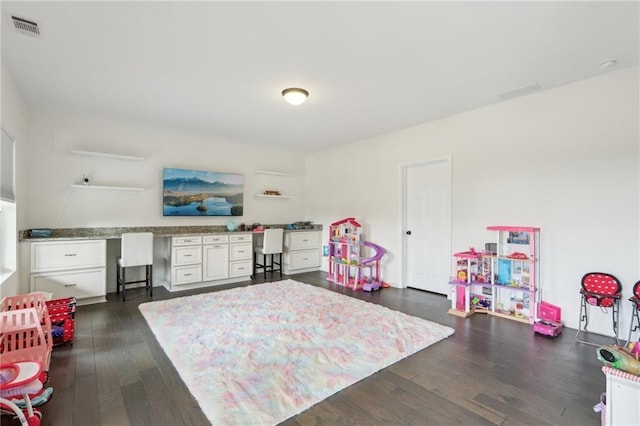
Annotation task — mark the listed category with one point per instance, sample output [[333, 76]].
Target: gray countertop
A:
[[158, 231]]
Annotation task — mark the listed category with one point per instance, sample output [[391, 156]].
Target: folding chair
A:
[[635, 316], [601, 290]]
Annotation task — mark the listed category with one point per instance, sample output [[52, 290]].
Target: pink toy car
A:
[[371, 286]]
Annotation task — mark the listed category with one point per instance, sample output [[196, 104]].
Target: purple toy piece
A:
[[371, 286]]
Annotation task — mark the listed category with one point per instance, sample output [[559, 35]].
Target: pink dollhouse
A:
[[345, 262]]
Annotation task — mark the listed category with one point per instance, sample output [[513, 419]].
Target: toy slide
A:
[[374, 261], [380, 251]]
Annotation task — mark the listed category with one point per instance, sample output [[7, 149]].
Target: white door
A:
[[427, 225]]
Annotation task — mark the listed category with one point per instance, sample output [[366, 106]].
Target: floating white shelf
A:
[[107, 155], [269, 172], [108, 188], [271, 196]]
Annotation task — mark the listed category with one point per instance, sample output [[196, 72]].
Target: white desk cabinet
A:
[[80, 284], [205, 260], [186, 260], [240, 255], [215, 257], [70, 269], [302, 251]]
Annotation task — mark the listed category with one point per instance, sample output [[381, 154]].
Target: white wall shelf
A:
[[108, 188], [271, 196], [107, 155], [274, 173]]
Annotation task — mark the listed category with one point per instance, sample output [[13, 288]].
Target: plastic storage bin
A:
[[62, 316], [22, 337], [37, 300]]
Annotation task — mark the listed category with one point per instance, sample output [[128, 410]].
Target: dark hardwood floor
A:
[[491, 371]]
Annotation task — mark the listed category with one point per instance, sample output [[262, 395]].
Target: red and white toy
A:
[[20, 379]]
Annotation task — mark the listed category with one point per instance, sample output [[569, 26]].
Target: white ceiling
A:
[[216, 69]]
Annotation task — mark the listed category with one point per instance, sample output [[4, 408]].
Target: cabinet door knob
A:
[[408, 232]]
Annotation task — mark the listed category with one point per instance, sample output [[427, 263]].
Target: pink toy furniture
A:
[[634, 325], [20, 379], [550, 323], [347, 266], [24, 337], [467, 272], [603, 291]]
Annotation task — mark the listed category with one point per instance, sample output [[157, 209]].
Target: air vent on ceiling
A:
[[522, 91], [25, 26]]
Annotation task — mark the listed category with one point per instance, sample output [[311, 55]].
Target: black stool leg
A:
[[124, 285], [255, 260], [264, 266], [117, 277], [149, 283]]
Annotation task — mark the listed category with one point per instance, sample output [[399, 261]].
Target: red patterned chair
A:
[[635, 316], [601, 290]]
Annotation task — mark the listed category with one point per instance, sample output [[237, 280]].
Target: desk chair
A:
[[635, 317], [603, 291], [136, 250], [271, 245]]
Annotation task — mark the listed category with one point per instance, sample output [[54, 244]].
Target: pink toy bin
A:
[[550, 323]]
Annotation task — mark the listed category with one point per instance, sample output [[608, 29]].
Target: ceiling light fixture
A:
[[295, 95], [611, 63]]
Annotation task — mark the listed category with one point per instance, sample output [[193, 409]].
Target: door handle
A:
[[408, 232]]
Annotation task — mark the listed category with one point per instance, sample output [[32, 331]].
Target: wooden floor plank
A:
[[164, 407], [86, 403], [138, 406], [491, 371]]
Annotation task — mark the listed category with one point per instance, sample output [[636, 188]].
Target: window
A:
[[7, 185], [8, 219]]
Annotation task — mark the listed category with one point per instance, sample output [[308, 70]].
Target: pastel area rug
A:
[[263, 353]]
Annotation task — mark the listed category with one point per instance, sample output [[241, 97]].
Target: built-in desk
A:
[[75, 261], [302, 250]]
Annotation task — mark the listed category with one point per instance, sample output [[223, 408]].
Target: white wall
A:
[[14, 115], [51, 202], [565, 160]]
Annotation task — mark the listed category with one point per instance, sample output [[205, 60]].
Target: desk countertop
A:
[[158, 231]]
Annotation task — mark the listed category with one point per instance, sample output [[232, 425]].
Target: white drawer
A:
[[240, 269], [305, 259], [240, 238], [186, 255], [240, 251], [186, 241], [186, 274], [215, 239], [304, 240], [61, 255], [80, 284]]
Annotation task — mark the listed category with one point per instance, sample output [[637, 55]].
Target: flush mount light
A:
[[295, 95], [611, 63]]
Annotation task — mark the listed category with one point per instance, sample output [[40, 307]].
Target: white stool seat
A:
[[136, 249], [271, 245]]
